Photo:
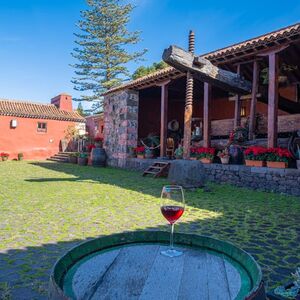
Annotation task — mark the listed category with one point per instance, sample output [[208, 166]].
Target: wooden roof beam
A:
[[203, 70]]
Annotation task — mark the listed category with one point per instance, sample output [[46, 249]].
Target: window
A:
[[42, 127]]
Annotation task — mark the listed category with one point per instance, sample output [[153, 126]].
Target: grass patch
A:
[[46, 208]]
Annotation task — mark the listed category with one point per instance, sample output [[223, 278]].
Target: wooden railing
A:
[[286, 123]]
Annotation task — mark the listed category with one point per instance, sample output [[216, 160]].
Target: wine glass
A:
[[172, 208]]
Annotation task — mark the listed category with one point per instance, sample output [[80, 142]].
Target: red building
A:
[[34, 129], [95, 125]]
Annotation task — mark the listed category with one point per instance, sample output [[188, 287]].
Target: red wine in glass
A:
[[172, 208], [172, 212]]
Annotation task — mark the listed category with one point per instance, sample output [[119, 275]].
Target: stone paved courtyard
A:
[[46, 208]]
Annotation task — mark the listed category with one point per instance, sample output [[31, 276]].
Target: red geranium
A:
[[278, 154], [255, 153], [139, 150], [4, 154], [90, 147], [202, 152]]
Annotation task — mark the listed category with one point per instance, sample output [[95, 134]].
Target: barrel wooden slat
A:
[[218, 282], [164, 278], [85, 280], [234, 278], [126, 277], [194, 261]]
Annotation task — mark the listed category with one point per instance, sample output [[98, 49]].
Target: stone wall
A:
[[120, 125], [286, 181]]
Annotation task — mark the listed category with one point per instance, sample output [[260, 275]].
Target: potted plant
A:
[[82, 159], [4, 156], [131, 152], [73, 157], [20, 156], [255, 156], [224, 156], [193, 153], [205, 155], [289, 291], [98, 142], [140, 152], [179, 152], [278, 157], [148, 153]]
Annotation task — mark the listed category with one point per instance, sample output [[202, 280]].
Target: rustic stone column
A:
[[120, 125]]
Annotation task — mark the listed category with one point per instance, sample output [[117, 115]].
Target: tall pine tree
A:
[[102, 48]]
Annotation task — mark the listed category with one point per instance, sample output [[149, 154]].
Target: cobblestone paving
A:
[[47, 208]]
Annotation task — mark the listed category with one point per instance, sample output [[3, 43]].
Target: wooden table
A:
[[140, 271]]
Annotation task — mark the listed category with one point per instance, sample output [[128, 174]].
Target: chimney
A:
[[63, 101]]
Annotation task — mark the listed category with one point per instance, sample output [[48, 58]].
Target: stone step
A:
[[58, 160]]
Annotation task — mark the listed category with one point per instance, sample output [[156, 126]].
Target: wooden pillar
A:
[[238, 104], [206, 115], [255, 81], [188, 111], [273, 100], [163, 118]]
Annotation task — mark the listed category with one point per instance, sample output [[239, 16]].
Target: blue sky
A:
[[36, 36]]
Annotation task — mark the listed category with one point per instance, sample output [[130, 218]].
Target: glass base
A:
[[171, 253]]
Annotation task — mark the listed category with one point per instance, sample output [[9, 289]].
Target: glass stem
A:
[[171, 236]]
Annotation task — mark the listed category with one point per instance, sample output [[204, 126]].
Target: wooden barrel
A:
[[130, 266], [98, 156]]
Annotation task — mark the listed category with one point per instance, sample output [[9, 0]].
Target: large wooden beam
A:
[[255, 81], [238, 105], [206, 114], [273, 100], [188, 110], [164, 117], [205, 71]]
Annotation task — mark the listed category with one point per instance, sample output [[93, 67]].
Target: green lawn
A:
[[46, 208]]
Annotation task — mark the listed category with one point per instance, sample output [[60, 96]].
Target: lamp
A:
[[13, 123]]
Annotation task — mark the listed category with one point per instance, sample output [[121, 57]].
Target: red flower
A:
[[4, 154], [140, 150]]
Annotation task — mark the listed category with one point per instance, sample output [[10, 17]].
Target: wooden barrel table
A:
[[130, 266]]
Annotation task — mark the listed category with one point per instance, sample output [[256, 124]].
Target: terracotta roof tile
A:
[[37, 111], [170, 72]]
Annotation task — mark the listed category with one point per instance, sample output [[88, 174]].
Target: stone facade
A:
[[120, 125]]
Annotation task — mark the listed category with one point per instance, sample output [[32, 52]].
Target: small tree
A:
[[102, 52], [143, 71], [80, 110]]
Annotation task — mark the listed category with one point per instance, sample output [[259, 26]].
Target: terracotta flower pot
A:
[[4, 158], [206, 160], [140, 156], [193, 158], [277, 164], [225, 160], [255, 163]]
